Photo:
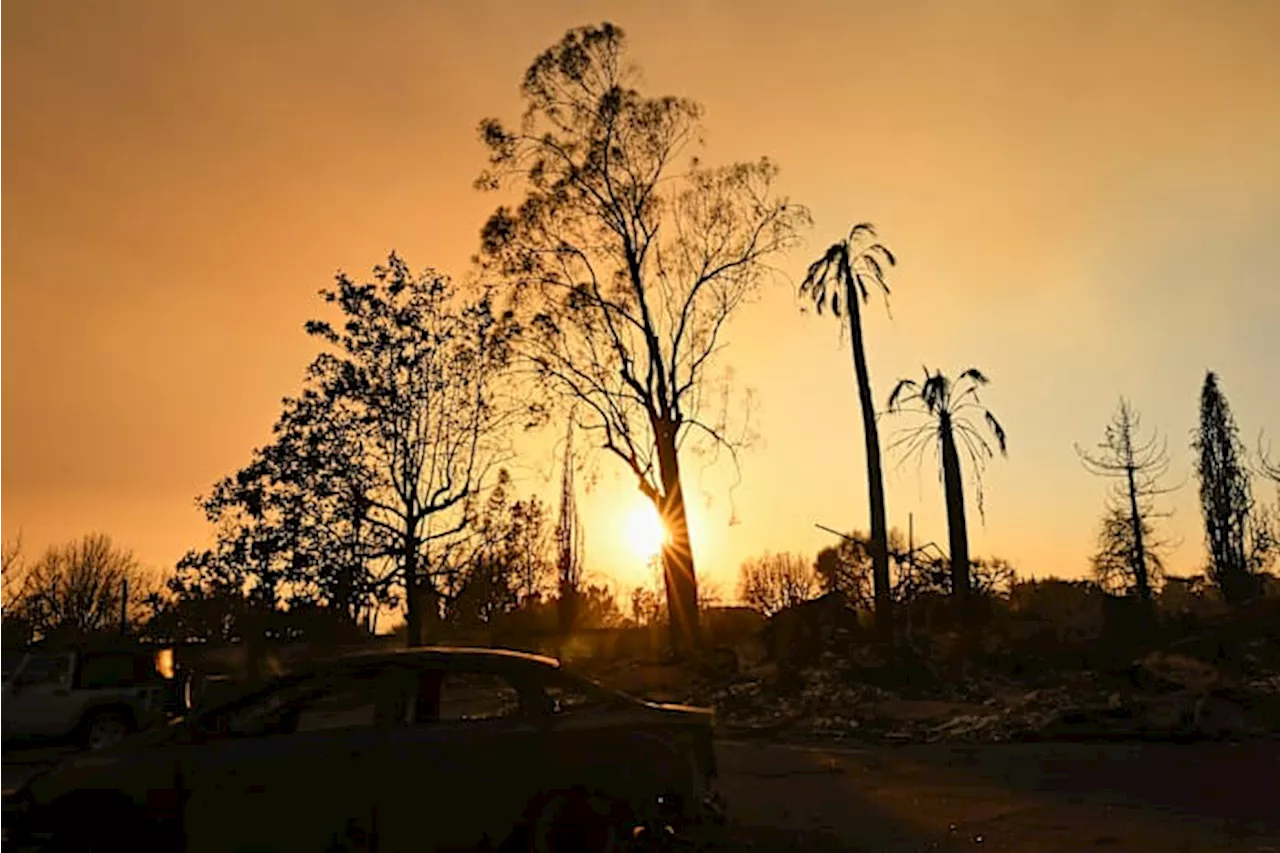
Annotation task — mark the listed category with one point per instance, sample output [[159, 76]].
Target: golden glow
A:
[[164, 663], [644, 531], [1026, 198]]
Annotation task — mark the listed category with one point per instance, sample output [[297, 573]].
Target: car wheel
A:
[[104, 729], [575, 822]]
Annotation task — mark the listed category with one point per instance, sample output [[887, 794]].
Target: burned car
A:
[[427, 749]]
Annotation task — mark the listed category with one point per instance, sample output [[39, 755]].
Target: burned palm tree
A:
[[947, 406], [843, 273]]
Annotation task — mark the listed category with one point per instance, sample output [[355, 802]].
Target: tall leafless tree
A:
[[772, 582], [80, 589], [844, 272], [628, 258], [1127, 556], [946, 406]]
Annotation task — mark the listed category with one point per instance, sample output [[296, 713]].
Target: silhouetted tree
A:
[[508, 563], [1240, 544], [597, 607], [373, 475], [847, 568], [771, 582], [12, 572], [292, 526], [1115, 563], [851, 265], [1127, 557], [76, 590], [629, 265], [421, 366], [13, 575], [946, 405]]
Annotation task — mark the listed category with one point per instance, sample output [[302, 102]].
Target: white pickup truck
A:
[[93, 698]]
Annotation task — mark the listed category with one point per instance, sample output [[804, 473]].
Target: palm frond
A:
[[998, 430], [877, 271], [975, 375], [903, 385], [934, 392]]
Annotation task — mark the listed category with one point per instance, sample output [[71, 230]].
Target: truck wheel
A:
[[103, 729]]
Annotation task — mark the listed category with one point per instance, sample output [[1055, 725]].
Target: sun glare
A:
[[645, 531]]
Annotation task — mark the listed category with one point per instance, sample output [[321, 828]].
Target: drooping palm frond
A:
[[896, 398], [944, 404], [998, 431], [856, 261]]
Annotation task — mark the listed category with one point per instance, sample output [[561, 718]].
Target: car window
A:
[[473, 696], [361, 701], [567, 693], [349, 708], [115, 670], [370, 699], [262, 716], [46, 669]]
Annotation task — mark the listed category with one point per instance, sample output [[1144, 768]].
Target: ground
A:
[[1013, 798], [1023, 798]]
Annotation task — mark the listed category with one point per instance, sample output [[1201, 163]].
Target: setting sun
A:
[[644, 530]]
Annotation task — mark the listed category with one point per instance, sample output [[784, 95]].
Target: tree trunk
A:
[[567, 609], [679, 576], [1140, 579], [957, 527], [413, 608], [875, 481]]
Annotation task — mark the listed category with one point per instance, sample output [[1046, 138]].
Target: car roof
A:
[[444, 654]]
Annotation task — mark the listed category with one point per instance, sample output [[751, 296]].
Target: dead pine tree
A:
[[1128, 556]]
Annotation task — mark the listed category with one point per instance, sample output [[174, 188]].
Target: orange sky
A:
[[1084, 197]]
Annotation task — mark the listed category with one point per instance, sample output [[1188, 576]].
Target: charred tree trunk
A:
[[1142, 583], [413, 606], [678, 571], [875, 481], [957, 525]]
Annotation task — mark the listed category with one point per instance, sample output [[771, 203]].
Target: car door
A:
[[294, 770], [38, 700], [462, 770]]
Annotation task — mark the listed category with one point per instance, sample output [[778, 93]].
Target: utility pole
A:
[[911, 542], [568, 543], [124, 607]]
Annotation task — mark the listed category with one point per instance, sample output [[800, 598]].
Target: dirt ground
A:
[[1011, 798], [1020, 798]]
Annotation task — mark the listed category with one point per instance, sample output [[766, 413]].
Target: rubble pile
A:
[[864, 691]]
